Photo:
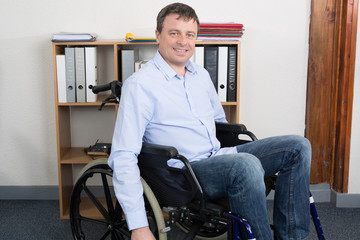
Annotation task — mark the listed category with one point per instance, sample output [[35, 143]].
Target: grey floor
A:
[[23, 219]]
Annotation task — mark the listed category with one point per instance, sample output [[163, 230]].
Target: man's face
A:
[[177, 40]]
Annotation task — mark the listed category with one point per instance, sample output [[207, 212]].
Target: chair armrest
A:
[[167, 152], [157, 149], [229, 134], [230, 127]]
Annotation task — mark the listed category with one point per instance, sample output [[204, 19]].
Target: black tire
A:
[[106, 219]]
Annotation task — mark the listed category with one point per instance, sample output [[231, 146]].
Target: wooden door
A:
[[332, 41]]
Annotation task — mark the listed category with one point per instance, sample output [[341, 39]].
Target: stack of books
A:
[[220, 31]]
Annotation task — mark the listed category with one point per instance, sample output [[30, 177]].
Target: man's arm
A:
[[132, 119]]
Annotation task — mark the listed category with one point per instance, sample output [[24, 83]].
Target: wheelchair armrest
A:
[[157, 149], [228, 134], [232, 127], [167, 152]]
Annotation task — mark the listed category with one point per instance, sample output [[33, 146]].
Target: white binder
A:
[[91, 70], [222, 73], [61, 78]]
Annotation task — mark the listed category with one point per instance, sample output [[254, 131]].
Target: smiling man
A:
[[155, 107], [172, 101]]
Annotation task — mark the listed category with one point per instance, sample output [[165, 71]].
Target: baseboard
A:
[[345, 200], [39, 192], [323, 193], [320, 192], [29, 193]]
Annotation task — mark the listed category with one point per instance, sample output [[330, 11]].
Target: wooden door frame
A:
[[331, 67]]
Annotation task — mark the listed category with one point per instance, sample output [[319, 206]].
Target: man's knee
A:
[[247, 170], [303, 143], [302, 147]]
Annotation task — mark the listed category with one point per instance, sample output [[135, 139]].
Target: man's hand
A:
[[143, 233]]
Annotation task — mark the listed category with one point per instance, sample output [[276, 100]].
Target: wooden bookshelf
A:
[[68, 155]]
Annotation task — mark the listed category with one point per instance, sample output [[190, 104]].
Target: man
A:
[[172, 101]]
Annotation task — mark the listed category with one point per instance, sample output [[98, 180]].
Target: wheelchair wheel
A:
[[96, 214]]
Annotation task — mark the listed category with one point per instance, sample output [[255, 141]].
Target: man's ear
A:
[[157, 34]]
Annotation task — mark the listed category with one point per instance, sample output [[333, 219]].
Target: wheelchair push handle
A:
[[114, 86], [101, 88], [114, 97]]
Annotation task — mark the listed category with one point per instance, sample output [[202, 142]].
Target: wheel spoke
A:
[[118, 216], [91, 220], [105, 235], [107, 195], [122, 232], [122, 228], [98, 204], [115, 236]]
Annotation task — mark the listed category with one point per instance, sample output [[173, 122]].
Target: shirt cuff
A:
[[136, 219]]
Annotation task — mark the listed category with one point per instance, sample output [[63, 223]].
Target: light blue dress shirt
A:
[[159, 106]]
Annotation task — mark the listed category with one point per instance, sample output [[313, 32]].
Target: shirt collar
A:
[[161, 64]]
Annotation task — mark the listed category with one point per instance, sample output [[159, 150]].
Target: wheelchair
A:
[[172, 196]]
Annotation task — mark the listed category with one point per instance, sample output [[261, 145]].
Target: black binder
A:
[[231, 81], [211, 63]]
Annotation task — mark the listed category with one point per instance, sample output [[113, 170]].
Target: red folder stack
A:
[[220, 31]]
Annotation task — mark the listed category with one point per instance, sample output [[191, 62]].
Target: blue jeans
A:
[[241, 178]]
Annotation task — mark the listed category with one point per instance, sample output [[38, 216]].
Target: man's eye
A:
[[191, 35], [173, 34]]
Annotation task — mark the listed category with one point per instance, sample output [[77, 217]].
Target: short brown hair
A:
[[184, 11]]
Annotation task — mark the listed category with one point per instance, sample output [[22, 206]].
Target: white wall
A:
[[273, 68], [354, 176]]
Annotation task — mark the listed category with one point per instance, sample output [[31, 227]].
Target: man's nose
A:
[[181, 39]]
